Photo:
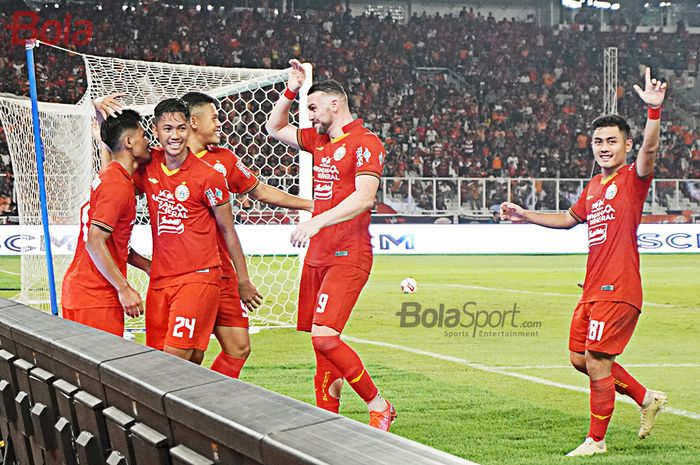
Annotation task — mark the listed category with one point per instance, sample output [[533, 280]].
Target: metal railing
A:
[[414, 195]]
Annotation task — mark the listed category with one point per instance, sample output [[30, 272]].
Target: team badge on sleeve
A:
[[182, 192], [363, 156], [244, 169], [211, 197]]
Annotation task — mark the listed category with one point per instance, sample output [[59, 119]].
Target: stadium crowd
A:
[[516, 102]]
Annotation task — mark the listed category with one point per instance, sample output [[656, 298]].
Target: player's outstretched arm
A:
[[277, 125], [224, 221], [273, 196], [517, 214], [653, 95], [359, 201], [139, 261], [96, 246]]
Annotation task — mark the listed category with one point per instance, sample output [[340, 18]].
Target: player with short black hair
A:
[[236, 287], [608, 121], [607, 313], [188, 201], [95, 289], [348, 164]]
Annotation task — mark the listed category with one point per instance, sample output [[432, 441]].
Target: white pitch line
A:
[[500, 371], [630, 365], [10, 272], [524, 291]]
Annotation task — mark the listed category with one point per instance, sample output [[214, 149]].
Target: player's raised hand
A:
[[297, 76], [250, 295], [303, 232], [654, 90], [109, 105], [512, 212], [131, 302]]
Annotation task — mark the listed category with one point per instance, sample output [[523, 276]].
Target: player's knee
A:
[[325, 343], [578, 361], [238, 350], [197, 357], [598, 365]]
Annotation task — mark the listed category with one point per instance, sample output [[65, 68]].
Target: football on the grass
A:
[[409, 286]]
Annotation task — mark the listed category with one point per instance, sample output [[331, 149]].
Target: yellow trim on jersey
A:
[[605, 181], [201, 154], [576, 217], [167, 171], [104, 226], [339, 138], [370, 173], [354, 380], [252, 188]]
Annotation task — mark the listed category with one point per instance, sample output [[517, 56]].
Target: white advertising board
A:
[[394, 239]]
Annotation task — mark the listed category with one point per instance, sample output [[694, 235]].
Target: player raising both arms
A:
[[348, 163], [95, 290], [606, 315], [232, 318]]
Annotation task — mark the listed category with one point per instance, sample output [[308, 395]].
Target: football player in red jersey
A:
[[348, 163], [188, 201], [606, 315], [236, 287], [95, 290]]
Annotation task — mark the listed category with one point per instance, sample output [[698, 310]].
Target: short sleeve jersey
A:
[[183, 225], [337, 162], [240, 180], [111, 206], [613, 210]]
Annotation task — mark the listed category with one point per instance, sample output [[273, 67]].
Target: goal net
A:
[[72, 159]]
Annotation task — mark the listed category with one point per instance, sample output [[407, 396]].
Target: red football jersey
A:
[[336, 164], [240, 180], [111, 206], [180, 205], [613, 209]]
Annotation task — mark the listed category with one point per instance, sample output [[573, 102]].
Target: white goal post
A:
[[72, 159]]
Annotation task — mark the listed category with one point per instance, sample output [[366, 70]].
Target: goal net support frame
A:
[[71, 156]]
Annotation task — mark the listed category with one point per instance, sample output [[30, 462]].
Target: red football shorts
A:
[[181, 316], [328, 294], [604, 327], [109, 319], [231, 312]]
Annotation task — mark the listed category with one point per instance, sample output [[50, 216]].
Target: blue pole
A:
[[39, 149]]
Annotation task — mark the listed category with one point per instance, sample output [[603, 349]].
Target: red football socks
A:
[[326, 374], [348, 363], [602, 406], [227, 365], [627, 385]]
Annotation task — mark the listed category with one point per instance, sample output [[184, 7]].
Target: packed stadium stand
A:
[[451, 95]]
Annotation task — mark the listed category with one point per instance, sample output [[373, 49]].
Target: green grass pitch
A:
[[503, 399]]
